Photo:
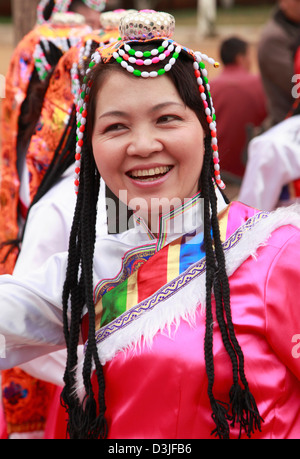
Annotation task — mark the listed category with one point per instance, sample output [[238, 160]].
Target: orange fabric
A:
[[26, 399]]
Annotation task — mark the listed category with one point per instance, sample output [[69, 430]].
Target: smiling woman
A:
[[183, 327]]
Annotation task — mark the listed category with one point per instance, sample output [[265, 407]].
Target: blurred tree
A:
[[24, 17], [206, 17]]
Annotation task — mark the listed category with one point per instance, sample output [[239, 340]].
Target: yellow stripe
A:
[[98, 312], [173, 260], [132, 291], [223, 218]]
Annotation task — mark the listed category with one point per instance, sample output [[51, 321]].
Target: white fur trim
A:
[[183, 305]]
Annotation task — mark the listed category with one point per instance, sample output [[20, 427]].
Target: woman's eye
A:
[[168, 118], [115, 127]]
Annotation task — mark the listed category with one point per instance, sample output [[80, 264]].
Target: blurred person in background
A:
[[276, 52], [239, 98]]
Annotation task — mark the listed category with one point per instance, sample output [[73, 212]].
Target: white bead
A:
[[172, 61], [147, 61], [212, 126], [153, 74], [124, 64], [132, 60], [83, 120], [203, 96], [217, 167], [162, 56], [121, 52], [204, 72], [168, 67], [127, 48], [199, 81], [145, 74], [196, 66], [178, 49], [208, 111], [130, 69], [78, 149], [165, 44], [214, 141], [215, 154], [115, 55], [80, 135], [154, 52], [139, 54]]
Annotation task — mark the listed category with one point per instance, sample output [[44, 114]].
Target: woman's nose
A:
[[144, 143]]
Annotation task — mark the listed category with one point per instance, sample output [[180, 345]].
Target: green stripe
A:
[[114, 303]]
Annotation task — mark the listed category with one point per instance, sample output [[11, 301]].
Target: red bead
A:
[[84, 113], [215, 147], [80, 142], [78, 156], [216, 160], [82, 128], [209, 119], [213, 134], [217, 172], [197, 73], [76, 182], [77, 170], [201, 88]]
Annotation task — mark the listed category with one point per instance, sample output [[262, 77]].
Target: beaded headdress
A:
[[62, 6], [148, 26]]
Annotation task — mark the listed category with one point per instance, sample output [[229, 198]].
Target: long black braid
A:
[[84, 419]]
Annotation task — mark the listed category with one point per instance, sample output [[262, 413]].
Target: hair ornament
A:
[[148, 26], [97, 5], [60, 6], [110, 20]]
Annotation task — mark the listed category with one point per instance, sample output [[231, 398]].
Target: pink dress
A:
[[157, 387]]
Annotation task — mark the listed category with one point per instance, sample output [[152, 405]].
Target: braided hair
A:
[[87, 416]]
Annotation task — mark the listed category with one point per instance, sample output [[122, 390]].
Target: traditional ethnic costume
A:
[[22, 393], [150, 298]]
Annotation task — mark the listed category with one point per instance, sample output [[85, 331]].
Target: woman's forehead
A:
[[120, 86]]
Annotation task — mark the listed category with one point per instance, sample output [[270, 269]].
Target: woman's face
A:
[[148, 146]]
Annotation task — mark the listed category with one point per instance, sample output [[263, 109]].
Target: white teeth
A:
[[150, 172]]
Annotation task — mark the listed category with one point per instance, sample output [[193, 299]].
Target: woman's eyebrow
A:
[[120, 113], [113, 113]]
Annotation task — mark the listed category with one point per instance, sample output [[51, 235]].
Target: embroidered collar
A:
[[185, 219]]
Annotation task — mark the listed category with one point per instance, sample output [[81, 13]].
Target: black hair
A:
[[231, 48], [87, 417]]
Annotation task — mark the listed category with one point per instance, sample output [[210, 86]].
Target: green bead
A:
[[202, 65], [85, 79], [175, 55], [214, 117], [119, 60], [91, 64], [205, 79], [147, 54], [161, 49], [131, 52], [137, 72], [82, 95], [161, 71], [44, 76]]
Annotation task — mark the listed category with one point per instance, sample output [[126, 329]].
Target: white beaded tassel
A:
[[201, 75], [81, 118]]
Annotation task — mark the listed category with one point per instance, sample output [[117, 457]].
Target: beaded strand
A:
[[151, 57]]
